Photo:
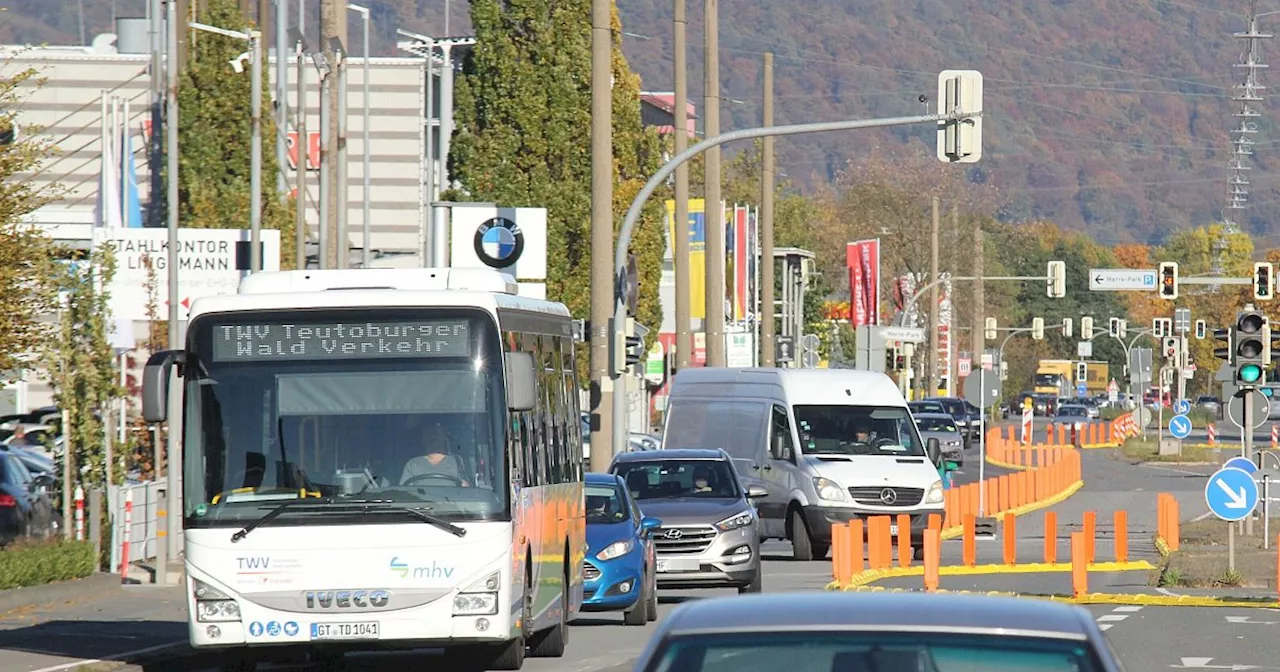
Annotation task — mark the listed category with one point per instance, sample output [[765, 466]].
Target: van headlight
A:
[[480, 598], [213, 605], [935, 493], [829, 490], [616, 550], [736, 521]]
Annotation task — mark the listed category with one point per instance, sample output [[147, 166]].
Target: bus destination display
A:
[[341, 340]]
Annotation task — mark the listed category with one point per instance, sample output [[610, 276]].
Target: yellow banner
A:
[[697, 253]]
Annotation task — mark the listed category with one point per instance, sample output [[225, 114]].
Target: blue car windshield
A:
[[878, 651], [605, 505]]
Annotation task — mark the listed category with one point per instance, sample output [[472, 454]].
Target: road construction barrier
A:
[[1167, 526], [1212, 429]]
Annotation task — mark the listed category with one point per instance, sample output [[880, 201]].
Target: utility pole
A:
[[951, 330], [177, 30], [684, 319], [979, 300], [333, 27], [282, 94], [602, 282], [183, 16], [766, 223], [302, 148], [713, 323], [931, 359]]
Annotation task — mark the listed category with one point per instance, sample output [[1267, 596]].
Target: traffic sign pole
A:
[[1232, 495]]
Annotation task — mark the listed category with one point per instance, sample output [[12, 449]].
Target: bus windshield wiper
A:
[[441, 523], [273, 514]]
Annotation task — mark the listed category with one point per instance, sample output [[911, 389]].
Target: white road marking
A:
[[1128, 609], [1112, 617], [109, 659], [1108, 621]]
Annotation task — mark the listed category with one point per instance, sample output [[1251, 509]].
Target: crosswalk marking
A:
[[1108, 621]]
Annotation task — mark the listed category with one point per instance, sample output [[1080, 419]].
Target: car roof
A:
[[672, 454], [601, 479], [879, 611]]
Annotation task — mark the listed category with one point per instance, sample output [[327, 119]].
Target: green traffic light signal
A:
[[1249, 373]]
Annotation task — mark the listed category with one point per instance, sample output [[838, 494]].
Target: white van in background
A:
[[829, 446]]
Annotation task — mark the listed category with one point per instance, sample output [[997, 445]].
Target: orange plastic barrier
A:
[[1167, 527]]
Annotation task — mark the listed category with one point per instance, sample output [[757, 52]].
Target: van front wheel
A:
[[801, 544]]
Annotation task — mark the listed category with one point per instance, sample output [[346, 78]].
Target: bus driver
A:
[[437, 461]]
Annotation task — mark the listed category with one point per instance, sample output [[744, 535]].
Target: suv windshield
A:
[[857, 430], [663, 479], [936, 424], [605, 505]]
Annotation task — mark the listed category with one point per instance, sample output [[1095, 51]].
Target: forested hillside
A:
[[1106, 116]]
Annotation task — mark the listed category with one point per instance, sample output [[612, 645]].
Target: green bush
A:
[[34, 563]]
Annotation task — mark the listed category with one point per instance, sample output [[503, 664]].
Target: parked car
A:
[[710, 532], [26, 501], [880, 632], [620, 571], [918, 407], [1212, 405], [942, 427]]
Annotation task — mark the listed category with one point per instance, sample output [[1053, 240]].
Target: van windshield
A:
[[857, 430]]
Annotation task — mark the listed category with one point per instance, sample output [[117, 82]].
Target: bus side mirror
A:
[[155, 384], [520, 381]]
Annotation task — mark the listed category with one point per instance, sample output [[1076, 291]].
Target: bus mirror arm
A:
[[520, 381], [155, 384]]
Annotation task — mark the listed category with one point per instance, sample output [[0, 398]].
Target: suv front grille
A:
[[683, 540], [874, 496]]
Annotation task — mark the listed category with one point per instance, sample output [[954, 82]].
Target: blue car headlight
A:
[[736, 521], [616, 550]]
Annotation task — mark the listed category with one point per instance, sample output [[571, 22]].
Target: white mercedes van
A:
[[829, 446]]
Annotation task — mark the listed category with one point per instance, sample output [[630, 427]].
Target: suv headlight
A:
[[934, 495], [213, 605], [829, 490], [736, 521], [480, 598], [616, 550]]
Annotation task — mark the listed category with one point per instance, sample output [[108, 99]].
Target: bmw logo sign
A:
[[499, 242]]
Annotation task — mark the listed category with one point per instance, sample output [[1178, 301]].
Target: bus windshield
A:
[[389, 409]]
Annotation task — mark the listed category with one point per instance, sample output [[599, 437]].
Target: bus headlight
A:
[[480, 598], [213, 605]]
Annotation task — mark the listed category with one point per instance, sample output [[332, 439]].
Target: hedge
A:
[[33, 563]]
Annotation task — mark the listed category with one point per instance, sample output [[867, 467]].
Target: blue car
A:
[[619, 572]]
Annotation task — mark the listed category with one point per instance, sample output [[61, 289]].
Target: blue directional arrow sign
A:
[[1243, 464], [1081, 390], [1182, 407], [1231, 494], [1180, 426]]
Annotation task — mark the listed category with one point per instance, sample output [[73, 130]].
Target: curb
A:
[[94, 585], [1135, 599], [957, 530], [873, 575]]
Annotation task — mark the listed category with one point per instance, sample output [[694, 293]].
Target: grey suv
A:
[[710, 534]]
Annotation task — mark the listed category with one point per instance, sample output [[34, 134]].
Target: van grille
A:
[[875, 496], [683, 540]]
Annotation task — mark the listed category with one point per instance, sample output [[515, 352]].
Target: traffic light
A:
[[1067, 326], [1168, 280], [1223, 335], [1113, 327], [989, 332], [1082, 372], [1252, 347], [1057, 275], [1124, 328], [635, 350], [1200, 329], [1086, 328], [960, 140], [1157, 327], [1170, 348], [1263, 285], [1037, 328]]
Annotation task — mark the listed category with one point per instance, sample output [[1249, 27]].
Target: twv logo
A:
[[254, 562], [433, 571]]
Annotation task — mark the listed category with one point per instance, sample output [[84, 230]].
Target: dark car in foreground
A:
[[877, 632], [710, 532]]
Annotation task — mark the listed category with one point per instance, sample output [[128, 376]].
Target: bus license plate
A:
[[344, 631]]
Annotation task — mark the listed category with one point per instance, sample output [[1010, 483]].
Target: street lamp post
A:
[[364, 133], [255, 143]]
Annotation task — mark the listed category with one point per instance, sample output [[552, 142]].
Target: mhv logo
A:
[[432, 571]]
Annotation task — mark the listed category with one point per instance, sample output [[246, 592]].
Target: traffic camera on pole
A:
[[1086, 328], [1252, 347], [960, 140], [989, 330], [1037, 328], [1263, 282], [1168, 278], [1056, 287]]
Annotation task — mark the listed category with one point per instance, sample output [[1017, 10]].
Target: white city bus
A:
[[306, 395]]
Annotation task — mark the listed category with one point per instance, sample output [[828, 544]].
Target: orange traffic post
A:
[[970, 543], [904, 540], [1010, 539], [935, 522], [1162, 516], [873, 542], [839, 551], [1079, 565], [856, 550], [1051, 537], [932, 558], [1122, 536], [884, 542], [1090, 534], [1174, 525]]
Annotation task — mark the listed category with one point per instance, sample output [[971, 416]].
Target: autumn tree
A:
[[523, 109], [214, 131], [28, 269]]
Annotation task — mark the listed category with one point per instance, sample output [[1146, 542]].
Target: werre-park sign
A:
[[210, 262]]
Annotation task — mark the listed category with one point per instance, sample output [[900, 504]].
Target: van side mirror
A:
[[155, 384], [756, 492], [520, 381], [934, 449]]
